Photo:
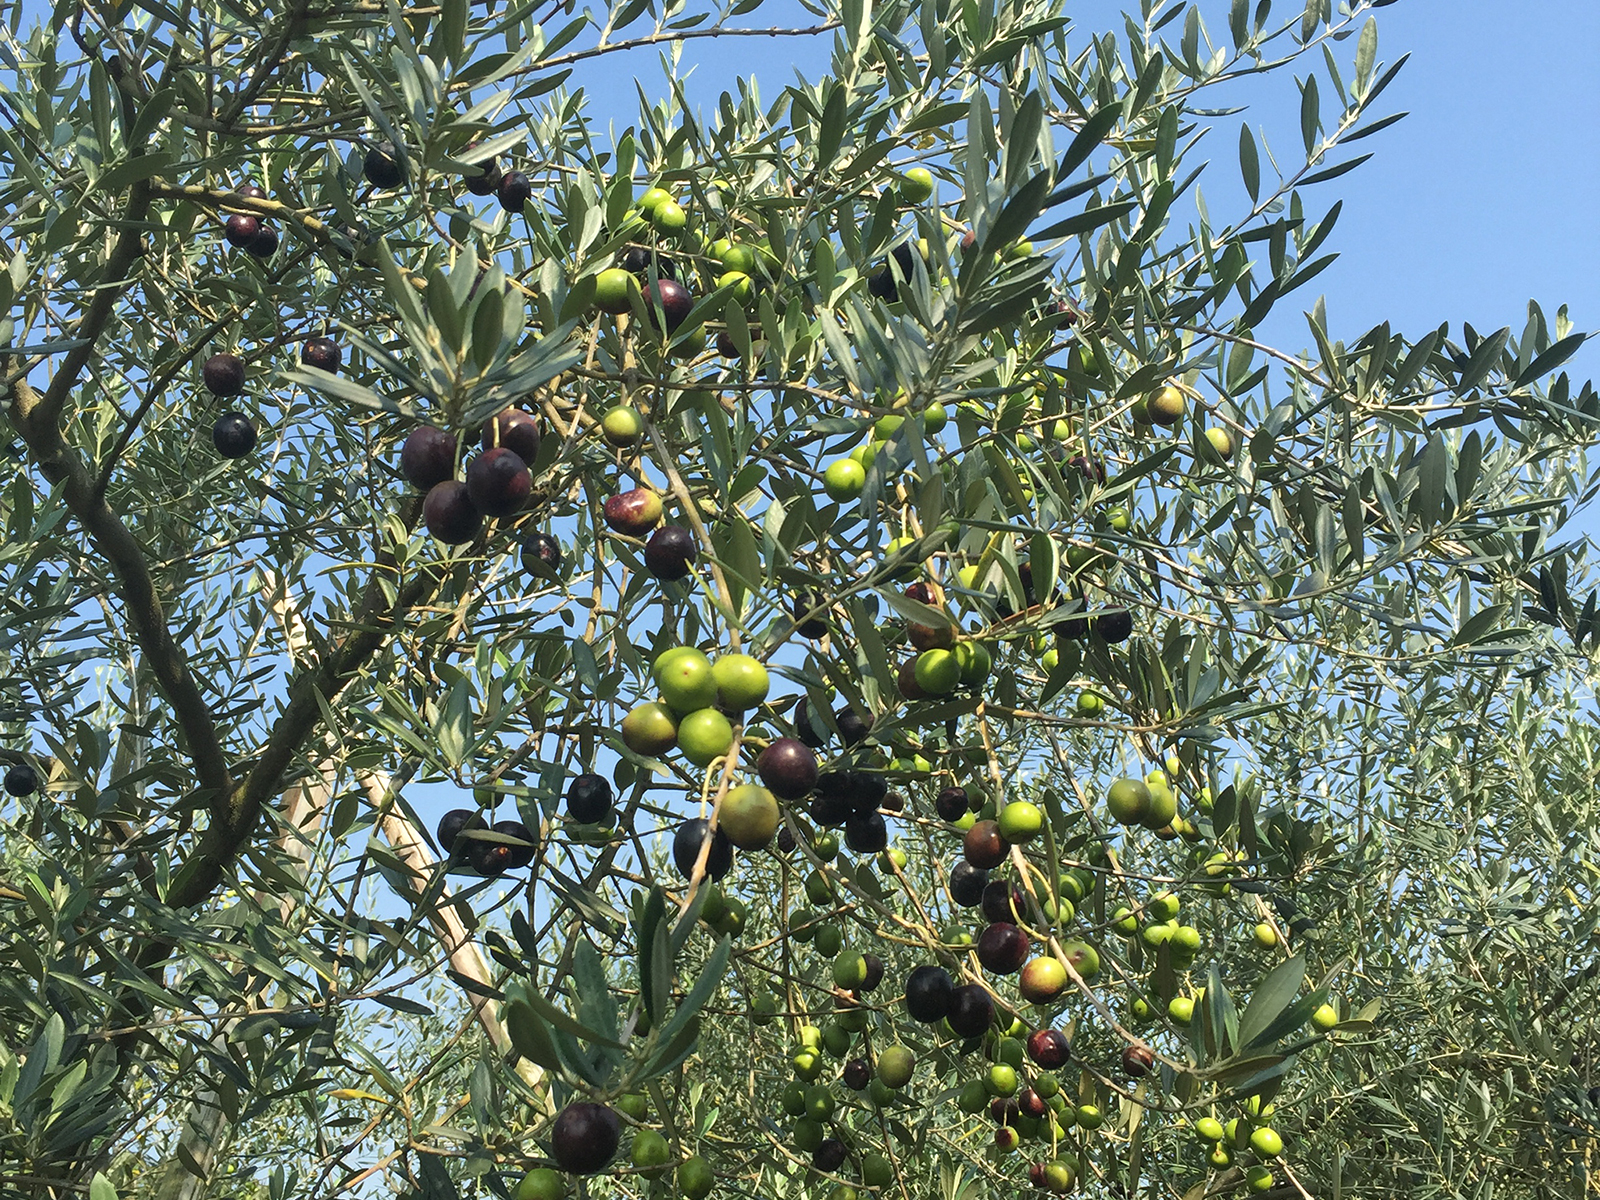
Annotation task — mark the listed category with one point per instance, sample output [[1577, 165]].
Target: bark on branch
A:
[[38, 422], [231, 823]]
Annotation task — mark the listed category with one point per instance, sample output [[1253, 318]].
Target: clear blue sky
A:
[[1483, 198]]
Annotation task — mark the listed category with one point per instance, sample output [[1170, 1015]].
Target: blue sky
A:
[[1480, 200]]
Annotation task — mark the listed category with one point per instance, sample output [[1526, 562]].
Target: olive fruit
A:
[[585, 1138], [971, 1010], [967, 884], [1002, 948], [1003, 901], [517, 430], [1137, 1061], [428, 457], [984, 847], [686, 844], [453, 824], [670, 553], [21, 780], [498, 482], [852, 728], [589, 799], [265, 243], [449, 513], [382, 166], [223, 374], [808, 626], [234, 435], [516, 857], [788, 768], [951, 803], [241, 229], [541, 555], [674, 301], [321, 353], [866, 834], [1049, 1048], [515, 190], [929, 990], [485, 180]]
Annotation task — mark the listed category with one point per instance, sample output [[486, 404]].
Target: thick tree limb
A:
[[303, 805], [36, 418], [232, 822]]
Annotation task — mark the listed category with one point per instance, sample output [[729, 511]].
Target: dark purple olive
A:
[[450, 514], [382, 166], [1066, 316], [515, 190], [486, 180], [1031, 1104], [585, 1138], [866, 790], [857, 1074], [589, 799], [323, 354], [866, 834], [251, 191], [928, 992], [1003, 901], [1049, 1048], [1075, 628], [967, 883], [498, 482], [518, 856], [852, 728], [517, 430], [1090, 468], [971, 1011], [265, 243], [951, 804], [674, 301], [453, 824], [1003, 948], [428, 457], [984, 846], [636, 261], [541, 556], [21, 780], [241, 229], [874, 973], [1137, 1061], [1112, 625], [807, 730], [809, 626], [487, 858], [670, 552], [830, 809], [223, 374], [686, 845], [234, 435], [883, 284], [788, 767], [829, 1156]]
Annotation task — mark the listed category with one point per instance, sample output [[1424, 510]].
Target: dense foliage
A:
[[929, 394]]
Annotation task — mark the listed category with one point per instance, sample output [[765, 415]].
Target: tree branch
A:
[[129, 248], [35, 420], [233, 821]]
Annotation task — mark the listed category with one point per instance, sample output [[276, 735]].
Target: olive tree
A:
[[442, 527]]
